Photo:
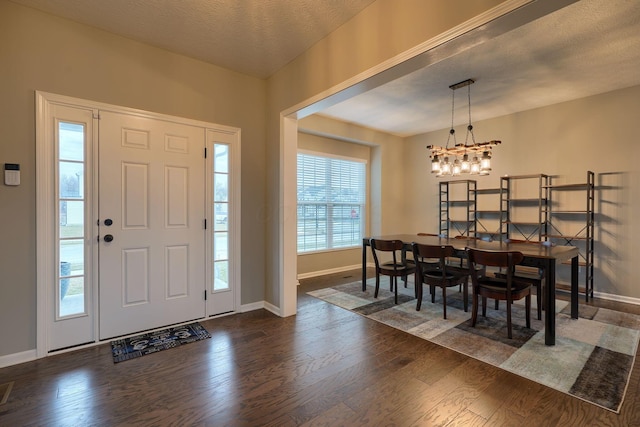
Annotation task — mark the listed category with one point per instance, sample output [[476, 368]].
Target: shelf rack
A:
[[533, 200], [488, 220], [458, 208], [583, 218]]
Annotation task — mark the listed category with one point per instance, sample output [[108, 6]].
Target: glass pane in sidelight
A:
[[71, 141], [71, 294], [71, 219], [220, 275], [220, 246]]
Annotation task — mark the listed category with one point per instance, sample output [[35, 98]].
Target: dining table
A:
[[542, 256]]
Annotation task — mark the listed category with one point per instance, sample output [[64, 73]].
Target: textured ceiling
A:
[[586, 48], [255, 37]]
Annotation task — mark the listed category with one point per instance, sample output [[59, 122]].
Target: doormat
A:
[[592, 359], [152, 342]]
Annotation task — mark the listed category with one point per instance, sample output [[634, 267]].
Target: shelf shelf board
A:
[[529, 200], [537, 175], [564, 236], [568, 212], [488, 190], [579, 186], [488, 212], [537, 224]]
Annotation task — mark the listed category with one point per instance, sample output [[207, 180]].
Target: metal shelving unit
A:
[[523, 211], [575, 227], [488, 220], [458, 208]]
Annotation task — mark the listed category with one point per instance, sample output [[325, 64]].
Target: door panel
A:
[[152, 188]]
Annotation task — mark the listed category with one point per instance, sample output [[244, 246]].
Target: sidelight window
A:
[[71, 200]]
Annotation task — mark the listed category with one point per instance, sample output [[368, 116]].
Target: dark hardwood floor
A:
[[323, 367]]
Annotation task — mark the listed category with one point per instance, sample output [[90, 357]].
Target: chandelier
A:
[[469, 157]]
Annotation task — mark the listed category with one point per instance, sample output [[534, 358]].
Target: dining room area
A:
[[558, 188]]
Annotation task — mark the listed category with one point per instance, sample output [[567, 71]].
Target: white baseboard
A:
[[329, 271], [251, 307], [272, 308], [618, 298], [260, 305], [17, 358]]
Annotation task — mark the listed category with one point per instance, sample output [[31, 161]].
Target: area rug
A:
[[152, 342], [592, 359]]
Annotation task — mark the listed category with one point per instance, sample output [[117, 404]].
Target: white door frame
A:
[[45, 209]]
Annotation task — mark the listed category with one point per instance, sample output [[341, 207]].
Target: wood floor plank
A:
[[323, 367]]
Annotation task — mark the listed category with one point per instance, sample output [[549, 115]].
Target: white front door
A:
[[151, 223]]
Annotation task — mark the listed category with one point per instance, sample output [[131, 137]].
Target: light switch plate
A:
[[11, 174]]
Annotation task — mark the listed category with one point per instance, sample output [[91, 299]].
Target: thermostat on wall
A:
[[11, 174]]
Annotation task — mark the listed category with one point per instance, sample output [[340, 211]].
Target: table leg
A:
[[364, 266], [574, 287], [550, 311]]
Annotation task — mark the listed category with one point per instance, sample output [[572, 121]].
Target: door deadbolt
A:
[[108, 238], [108, 222]]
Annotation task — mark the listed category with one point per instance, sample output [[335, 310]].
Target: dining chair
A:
[[531, 275], [412, 260], [397, 267], [441, 275], [497, 288]]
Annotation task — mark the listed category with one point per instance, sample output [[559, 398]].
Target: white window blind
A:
[[331, 202]]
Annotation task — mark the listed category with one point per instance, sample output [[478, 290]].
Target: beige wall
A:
[[597, 133], [41, 52]]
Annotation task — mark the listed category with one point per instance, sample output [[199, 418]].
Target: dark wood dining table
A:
[[540, 256]]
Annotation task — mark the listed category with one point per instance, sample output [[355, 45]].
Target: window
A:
[[221, 218], [71, 284], [331, 202]]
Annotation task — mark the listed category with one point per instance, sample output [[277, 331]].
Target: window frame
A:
[[330, 206]]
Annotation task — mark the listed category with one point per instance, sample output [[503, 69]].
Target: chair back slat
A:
[[502, 259], [391, 246]]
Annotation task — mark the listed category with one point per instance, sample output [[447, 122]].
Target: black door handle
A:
[[108, 222], [108, 238]]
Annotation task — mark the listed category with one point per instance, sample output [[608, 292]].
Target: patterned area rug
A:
[[592, 358], [140, 345]]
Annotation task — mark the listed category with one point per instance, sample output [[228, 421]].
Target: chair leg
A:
[[433, 293], [484, 306], [474, 309], [419, 293], [527, 303], [539, 300], [375, 294], [509, 319], [465, 296], [444, 301], [396, 291]]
